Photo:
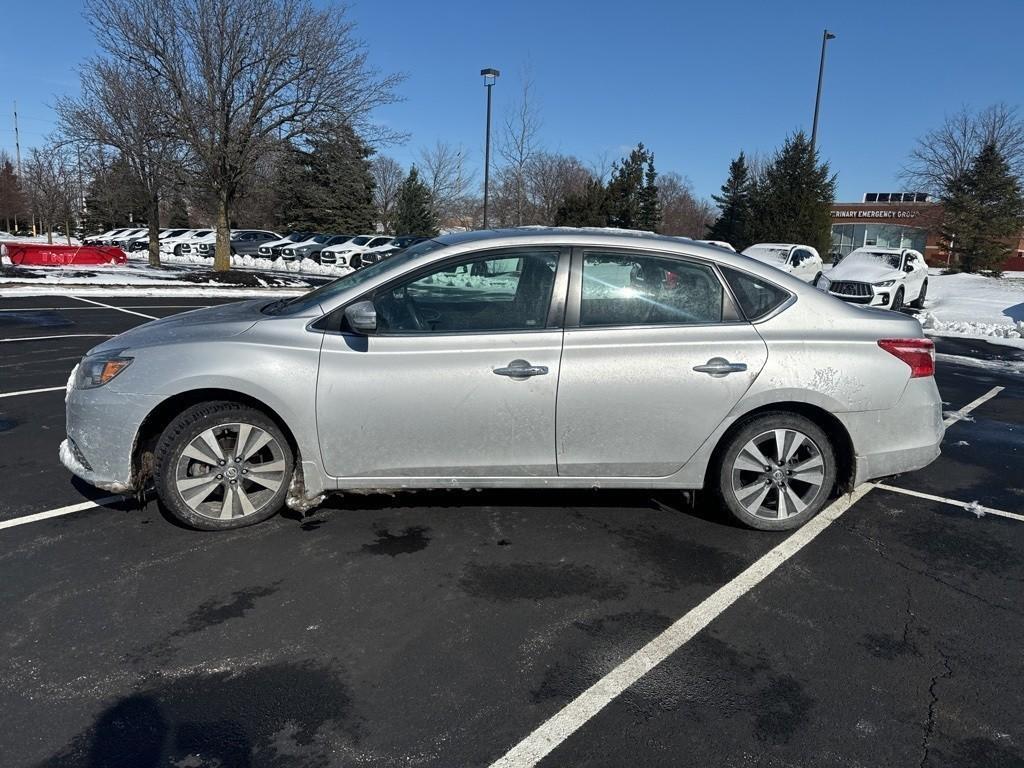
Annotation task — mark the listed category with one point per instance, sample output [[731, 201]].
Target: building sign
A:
[[860, 214]]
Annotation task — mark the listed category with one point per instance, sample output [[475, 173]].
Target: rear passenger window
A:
[[756, 297], [620, 289]]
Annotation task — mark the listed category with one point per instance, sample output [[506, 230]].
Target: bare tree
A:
[[682, 212], [550, 179], [242, 75], [517, 148], [51, 185], [387, 181], [444, 171], [601, 166], [12, 202], [112, 111], [942, 155]]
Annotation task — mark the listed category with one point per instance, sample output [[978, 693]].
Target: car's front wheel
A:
[[897, 301], [222, 465], [776, 472]]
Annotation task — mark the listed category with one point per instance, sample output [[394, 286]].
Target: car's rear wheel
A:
[[222, 465], [777, 472], [918, 303], [897, 301]]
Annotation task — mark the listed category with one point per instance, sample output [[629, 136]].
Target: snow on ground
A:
[[305, 266], [974, 306]]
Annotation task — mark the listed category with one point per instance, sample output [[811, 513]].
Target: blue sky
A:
[[696, 82]]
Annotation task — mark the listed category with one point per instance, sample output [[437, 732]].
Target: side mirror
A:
[[908, 267], [362, 317]]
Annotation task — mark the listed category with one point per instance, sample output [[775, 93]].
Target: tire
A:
[[918, 303], [802, 485], [251, 496], [814, 282], [897, 301], [177, 250]]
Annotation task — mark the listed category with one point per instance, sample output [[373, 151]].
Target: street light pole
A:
[[489, 75], [825, 37]]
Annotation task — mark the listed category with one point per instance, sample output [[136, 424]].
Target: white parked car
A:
[[172, 245], [350, 254], [801, 261], [719, 244], [880, 277], [185, 243], [104, 238]]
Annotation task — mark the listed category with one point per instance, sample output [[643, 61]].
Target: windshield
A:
[[319, 239], [176, 232], [891, 260], [768, 254], [339, 239], [327, 292], [203, 233], [361, 240], [297, 237]]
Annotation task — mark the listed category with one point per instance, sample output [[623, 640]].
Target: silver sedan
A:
[[525, 358]]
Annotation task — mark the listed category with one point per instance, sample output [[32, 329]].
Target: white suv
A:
[[880, 277], [801, 261], [350, 254]]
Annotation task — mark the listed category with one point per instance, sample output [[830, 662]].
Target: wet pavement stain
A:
[[783, 708], [410, 540], [213, 612], [677, 562], [7, 424], [277, 715], [888, 646], [538, 581]]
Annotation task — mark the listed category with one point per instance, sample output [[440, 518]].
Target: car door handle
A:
[[521, 369], [719, 366]]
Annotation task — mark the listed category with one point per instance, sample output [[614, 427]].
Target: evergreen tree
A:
[[793, 202], [328, 185], [114, 198], [984, 211], [12, 199], [177, 216], [733, 223], [415, 214], [632, 193], [588, 208]]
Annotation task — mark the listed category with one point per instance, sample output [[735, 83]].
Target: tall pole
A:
[[17, 139], [489, 75], [825, 37]]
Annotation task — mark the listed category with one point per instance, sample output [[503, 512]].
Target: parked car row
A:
[[344, 251], [890, 278]]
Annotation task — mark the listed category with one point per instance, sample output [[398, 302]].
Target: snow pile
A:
[[305, 266], [975, 306]]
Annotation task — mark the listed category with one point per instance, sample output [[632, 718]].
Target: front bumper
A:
[[903, 438], [102, 426]]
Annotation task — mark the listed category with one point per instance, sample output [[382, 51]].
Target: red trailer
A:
[[45, 255]]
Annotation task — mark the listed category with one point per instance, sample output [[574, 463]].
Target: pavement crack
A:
[[934, 700]]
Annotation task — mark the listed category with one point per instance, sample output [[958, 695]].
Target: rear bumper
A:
[[906, 437]]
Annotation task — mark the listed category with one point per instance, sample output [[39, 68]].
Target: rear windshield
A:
[[757, 298]]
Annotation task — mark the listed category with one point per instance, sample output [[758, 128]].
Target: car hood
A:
[[274, 243], [866, 271], [208, 324]]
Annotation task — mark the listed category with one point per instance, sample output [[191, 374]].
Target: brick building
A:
[[898, 220]]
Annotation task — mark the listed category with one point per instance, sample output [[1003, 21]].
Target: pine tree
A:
[[177, 216], [588, 208], [628, 192], [733, 223], [793, 202], [414, 214], [984, 209], [12, 199], [650, 205], [328, 185]]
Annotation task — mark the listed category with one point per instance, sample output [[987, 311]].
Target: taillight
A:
[[919, 354]]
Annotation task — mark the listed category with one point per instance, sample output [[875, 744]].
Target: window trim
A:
[[782, 307], [731, 314], [332, 321]]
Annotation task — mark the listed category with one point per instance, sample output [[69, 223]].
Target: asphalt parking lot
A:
[[446, 629]]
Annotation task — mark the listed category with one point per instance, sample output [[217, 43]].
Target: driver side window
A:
[[506, 292]]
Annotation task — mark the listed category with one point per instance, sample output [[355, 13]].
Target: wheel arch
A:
[[157, 420], [842, 443]]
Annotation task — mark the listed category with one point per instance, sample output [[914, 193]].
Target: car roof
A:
[[880, 249], [776, 245]]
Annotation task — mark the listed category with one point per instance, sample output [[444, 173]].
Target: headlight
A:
[[884, 284], [100, 369]]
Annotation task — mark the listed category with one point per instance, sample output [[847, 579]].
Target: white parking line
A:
[[958, 415], [970, 506], [558, 728], [33, 391], [62, 336], [111, 306], [59, 511]]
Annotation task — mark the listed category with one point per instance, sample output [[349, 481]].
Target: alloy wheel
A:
[[230, 471], [778, 474]]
